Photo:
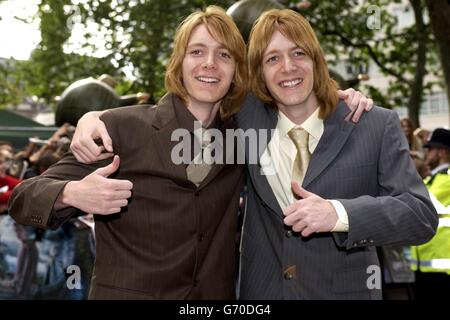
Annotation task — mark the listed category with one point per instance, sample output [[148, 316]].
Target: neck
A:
[[299, 113], [205, 113]]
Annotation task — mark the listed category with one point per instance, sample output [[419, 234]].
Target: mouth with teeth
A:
[[209, 80], [290, 83]]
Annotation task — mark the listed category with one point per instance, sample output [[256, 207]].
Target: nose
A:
[[288, 65], [210, 61]]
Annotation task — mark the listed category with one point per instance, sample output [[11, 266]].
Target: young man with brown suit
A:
[[161, 231]]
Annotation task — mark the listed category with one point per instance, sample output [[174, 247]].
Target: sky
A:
[[18, 38]]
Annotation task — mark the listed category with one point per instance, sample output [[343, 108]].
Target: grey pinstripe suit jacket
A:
[[367, 167]]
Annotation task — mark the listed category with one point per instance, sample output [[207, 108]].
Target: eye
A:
[[195, 52], [271, 59], [299, 53], [225, 54]]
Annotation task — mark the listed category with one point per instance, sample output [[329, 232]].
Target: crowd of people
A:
[[37, 156], [431, 261], [33, 261], [25, 249]]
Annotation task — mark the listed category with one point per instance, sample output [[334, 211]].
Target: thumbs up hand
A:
[[309, 214], [109, 169], [96, 193]]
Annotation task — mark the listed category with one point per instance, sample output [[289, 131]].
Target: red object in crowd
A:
[[7, 184]]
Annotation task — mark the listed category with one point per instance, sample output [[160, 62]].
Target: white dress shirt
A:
[[278, 159]]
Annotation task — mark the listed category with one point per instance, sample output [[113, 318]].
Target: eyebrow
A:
[[277, 50], [200, 44]]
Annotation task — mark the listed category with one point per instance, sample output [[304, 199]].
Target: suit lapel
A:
[[264, 120], [336, 132], [165, 123]]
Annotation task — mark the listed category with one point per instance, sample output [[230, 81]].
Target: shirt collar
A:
[[313, 125], [439, 168]]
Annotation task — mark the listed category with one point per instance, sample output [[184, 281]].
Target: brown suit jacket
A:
[[173, 240]]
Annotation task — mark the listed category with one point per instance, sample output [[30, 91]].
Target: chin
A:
[[292, 102], [210, 98]]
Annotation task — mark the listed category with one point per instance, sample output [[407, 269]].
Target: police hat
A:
[[439, 139]]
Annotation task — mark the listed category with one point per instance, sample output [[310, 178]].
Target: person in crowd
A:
[[7, 182], [431, 260], [6, 145], [25, 278], [422, 134], [415, 145]]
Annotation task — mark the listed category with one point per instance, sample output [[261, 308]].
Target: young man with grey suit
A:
[[339, 188]]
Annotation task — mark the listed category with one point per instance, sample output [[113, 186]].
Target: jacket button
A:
[[195, 284], [197, 193], [201, 237], [289, 233], [290, 272]]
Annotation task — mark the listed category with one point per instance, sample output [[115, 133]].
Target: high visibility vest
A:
[[434, 256]]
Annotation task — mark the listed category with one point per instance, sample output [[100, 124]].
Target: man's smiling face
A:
[[288, 73], [208, 68]]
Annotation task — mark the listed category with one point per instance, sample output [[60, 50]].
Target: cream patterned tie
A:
[[201, 165], [300, 137]]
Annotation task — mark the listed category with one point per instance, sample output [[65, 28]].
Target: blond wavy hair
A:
[[223, 29], [295, 27]]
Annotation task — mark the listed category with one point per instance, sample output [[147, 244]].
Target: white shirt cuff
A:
[[342, 222]]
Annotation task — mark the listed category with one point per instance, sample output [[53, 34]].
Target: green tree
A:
[[439, 11], [11, 90], [49, 69], [45, 72], [405, 55], [140, 34]]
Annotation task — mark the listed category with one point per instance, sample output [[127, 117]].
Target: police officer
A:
[[431, 261]]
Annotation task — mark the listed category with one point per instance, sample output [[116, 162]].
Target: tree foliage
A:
[[347, 30], [138, 36], [439, 11]]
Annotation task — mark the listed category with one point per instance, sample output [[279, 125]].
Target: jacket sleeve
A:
[[32, 201], [402, 214]]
